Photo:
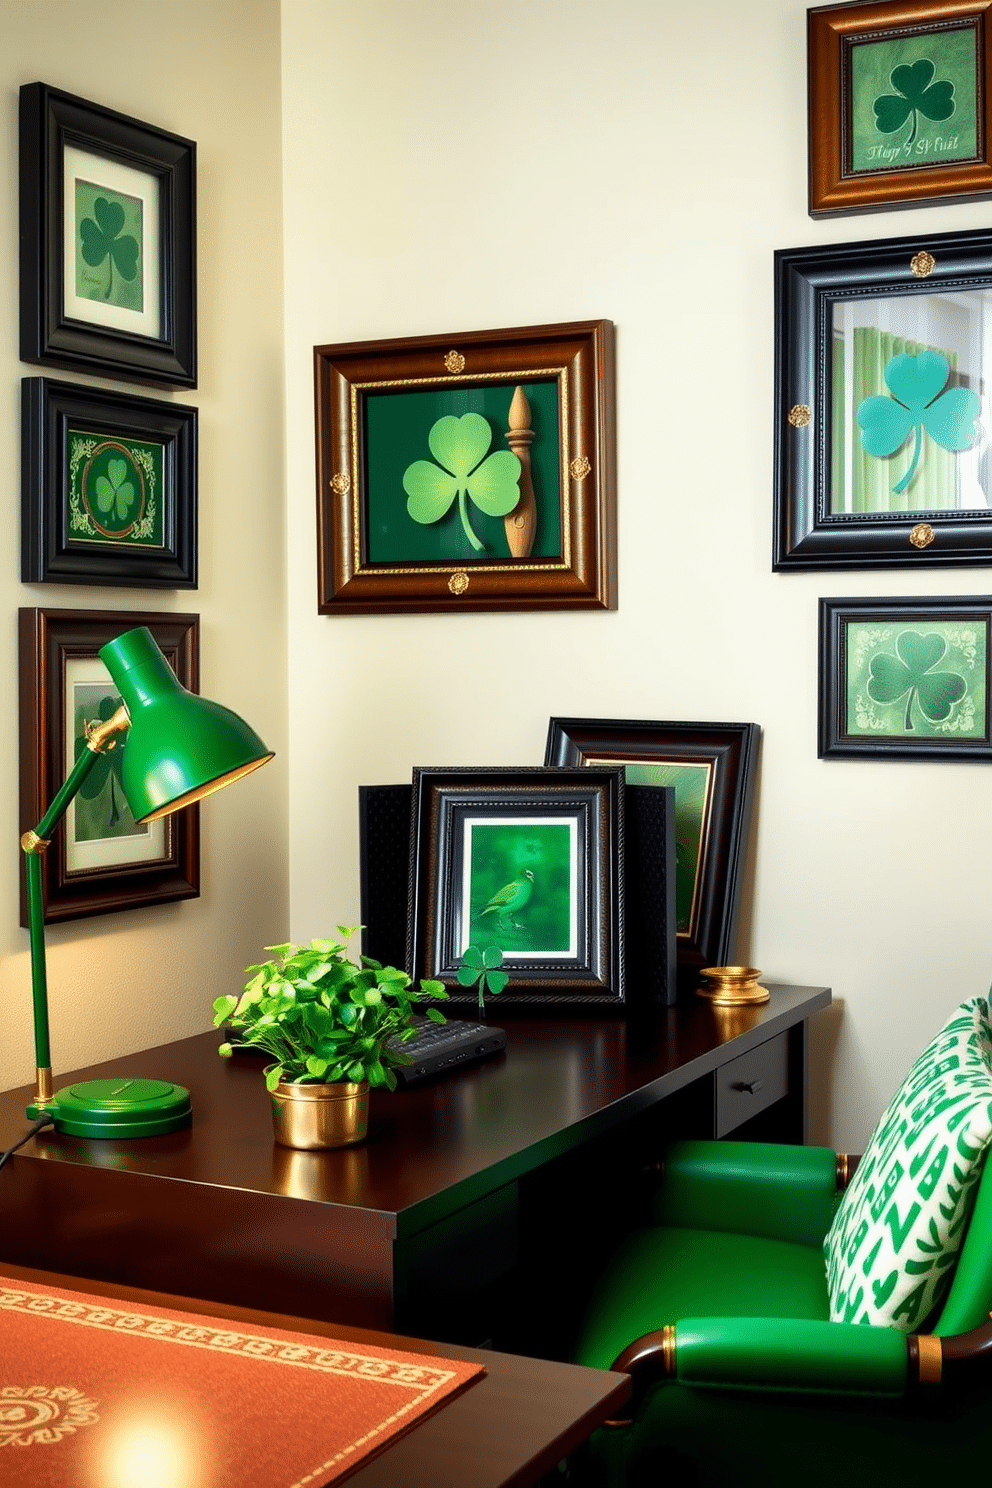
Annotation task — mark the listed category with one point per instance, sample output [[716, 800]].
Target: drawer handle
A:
[[750, 1087]]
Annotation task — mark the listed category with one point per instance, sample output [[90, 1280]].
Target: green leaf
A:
[[223, 1008], [494, 487], [273, 1076], [225, 1051], [496, 981], [430, 491], [459, 443], [435, 1015], [467, 977]]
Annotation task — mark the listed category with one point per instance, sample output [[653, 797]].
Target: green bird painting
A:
[[510, 898]]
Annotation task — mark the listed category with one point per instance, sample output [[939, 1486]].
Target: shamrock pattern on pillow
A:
[[895, 1237]]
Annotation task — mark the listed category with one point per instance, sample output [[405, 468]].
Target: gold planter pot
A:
[[315, 1116]]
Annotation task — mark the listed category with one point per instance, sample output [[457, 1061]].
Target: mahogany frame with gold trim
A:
[[580, 356]]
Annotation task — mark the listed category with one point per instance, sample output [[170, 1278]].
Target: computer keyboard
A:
[[435, 1048], [438, 1047]]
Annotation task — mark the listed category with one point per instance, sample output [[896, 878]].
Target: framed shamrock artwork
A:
[[882, 414], [108, 488], [900, 104], [468, 471], [100, 860], [108, 241], [519, 869], [905, 679]]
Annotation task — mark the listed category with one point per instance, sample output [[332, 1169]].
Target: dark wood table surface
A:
[[505, 1431], [352, 1236]]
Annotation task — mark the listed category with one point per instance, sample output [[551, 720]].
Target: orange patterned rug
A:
[[101, 1395]]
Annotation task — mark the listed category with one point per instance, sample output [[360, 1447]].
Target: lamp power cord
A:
[[47, 1120]]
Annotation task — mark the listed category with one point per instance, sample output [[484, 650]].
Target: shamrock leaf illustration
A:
[[105, 774], [916, 93], [101, 239], [910, 673], [460, 446], [479, 966], [115, 490], [917, 403]]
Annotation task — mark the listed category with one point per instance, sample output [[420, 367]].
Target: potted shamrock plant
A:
[[334, 1028]]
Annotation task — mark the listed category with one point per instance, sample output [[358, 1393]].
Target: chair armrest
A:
[[756, 1188], [792, 1354], [783, 1354]]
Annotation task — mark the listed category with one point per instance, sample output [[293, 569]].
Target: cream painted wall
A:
[[128, 981], [452, 165]]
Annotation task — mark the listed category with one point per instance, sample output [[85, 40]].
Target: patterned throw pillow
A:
[[897, 1232]]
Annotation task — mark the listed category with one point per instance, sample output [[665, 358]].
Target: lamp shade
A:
[[180, 746]]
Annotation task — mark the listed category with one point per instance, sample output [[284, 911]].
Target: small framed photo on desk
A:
[[526, 862]]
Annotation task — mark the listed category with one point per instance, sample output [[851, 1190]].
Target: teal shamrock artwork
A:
[[102, 239], [465, 472], [915, 94], [920, 401], [911, 673]]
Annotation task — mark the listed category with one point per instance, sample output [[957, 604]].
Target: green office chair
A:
[[785, 1325]]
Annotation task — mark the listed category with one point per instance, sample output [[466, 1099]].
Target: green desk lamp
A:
[[179, 747]]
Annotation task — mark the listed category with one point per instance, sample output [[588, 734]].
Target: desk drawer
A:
[[751, 1083]]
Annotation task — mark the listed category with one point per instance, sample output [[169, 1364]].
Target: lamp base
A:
[[117, 1108]]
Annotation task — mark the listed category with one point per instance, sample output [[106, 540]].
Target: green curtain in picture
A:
[[934, 487]]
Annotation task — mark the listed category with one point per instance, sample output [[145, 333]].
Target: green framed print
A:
[[712, 768], [905, 679], [900, 104], [108, 488], [103, 861], [882, 413], [108, 241], [522, 867], [467, 472]]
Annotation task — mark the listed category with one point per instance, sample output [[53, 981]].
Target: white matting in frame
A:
[[136, 194]]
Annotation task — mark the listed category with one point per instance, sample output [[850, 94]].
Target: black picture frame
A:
[[878, 658], [570, 824], [889, 281], [58, 653], [711, 835], [68, 430], [648, 876], [67, 142]]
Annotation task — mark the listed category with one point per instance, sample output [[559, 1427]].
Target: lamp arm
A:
[[99, 738]]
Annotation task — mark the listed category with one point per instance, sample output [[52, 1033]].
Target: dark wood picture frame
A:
[[711, 837], [914, 166], [50, 641], [59, 423], [153, 340], [920, 662], [374, 557], [816, 289], [449, 808]]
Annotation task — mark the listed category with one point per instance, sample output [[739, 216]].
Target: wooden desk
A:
[[506, 1431], [474, 1210]]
